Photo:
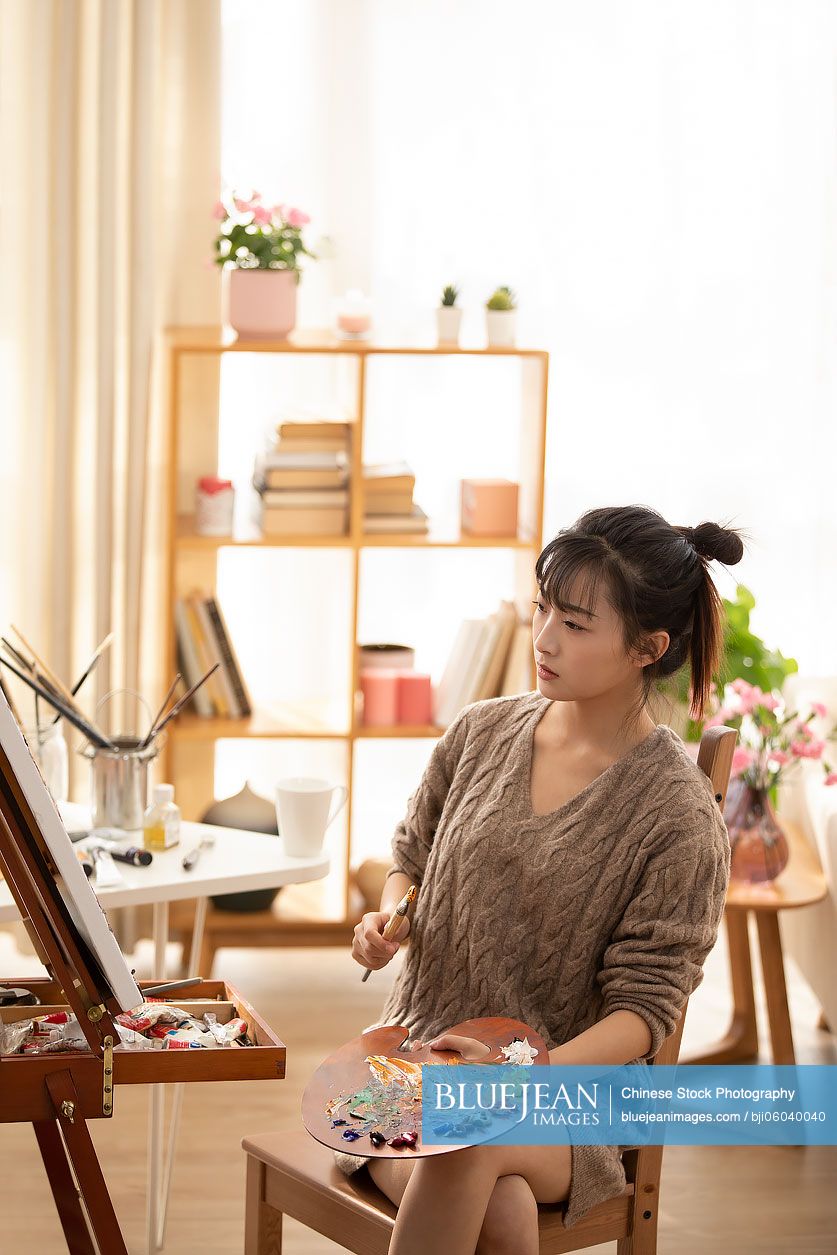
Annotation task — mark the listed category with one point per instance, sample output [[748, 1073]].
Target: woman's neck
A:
[[603, 728]]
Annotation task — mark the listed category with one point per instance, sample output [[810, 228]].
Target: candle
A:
[[354, 315]]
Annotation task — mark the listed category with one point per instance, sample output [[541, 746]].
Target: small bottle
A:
[[161, 824]]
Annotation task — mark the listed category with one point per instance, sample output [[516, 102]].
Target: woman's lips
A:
[[545, 673]]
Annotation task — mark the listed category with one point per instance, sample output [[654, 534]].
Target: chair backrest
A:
[[643, 1166]]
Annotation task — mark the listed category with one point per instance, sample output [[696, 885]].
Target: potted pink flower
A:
[[772, 741], [259, 248]]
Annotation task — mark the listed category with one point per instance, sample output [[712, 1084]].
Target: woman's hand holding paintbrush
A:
[[376, 936]]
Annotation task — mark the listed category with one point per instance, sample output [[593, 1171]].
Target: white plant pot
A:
[[448, 319], [501, 324]]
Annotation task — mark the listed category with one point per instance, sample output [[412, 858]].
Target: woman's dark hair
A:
[[656, 577]]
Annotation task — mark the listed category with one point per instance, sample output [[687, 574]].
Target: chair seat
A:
[[302, 1180], [296, 1155]]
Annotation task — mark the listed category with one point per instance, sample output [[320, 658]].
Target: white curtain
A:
[[657, 182], [109, 134]]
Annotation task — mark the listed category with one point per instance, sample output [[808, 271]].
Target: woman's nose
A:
[[546, 642]]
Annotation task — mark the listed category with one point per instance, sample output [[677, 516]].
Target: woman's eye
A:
[[540, 607], [569, 623]]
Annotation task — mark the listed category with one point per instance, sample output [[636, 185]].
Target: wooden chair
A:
[[289, 1173]]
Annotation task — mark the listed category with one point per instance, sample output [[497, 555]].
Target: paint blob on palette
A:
[[387, 1109]]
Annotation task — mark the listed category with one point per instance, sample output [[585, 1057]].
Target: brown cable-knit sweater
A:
[[612, 901]]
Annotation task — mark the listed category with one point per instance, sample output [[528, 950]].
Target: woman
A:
[[572, 864]]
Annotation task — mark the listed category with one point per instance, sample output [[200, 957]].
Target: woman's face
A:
[[584, 653]]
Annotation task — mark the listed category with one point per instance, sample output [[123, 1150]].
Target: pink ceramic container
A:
[[414, 698], [380, 697], [261, 304]]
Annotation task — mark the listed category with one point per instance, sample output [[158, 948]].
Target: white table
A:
[[237, 862]]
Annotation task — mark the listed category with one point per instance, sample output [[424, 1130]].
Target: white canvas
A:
[[73, 885]]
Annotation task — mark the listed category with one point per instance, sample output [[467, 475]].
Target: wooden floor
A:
[[767, 1201]]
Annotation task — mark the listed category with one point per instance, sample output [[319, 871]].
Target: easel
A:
[[59, 1093]]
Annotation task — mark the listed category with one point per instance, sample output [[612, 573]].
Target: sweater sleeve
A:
[[654, 960], [414, 834]]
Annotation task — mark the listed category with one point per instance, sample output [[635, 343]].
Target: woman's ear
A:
[[653, 648]]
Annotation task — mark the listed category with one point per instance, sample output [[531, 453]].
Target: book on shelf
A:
[[388, 503], [189, 661], [229, 660], [331, 498], [479, 662], [217, 694], [300, 470], [225, 697], [317, 436], [416, 521], [388, 477], [290, 521], [202, 640], [517, 675], [449, 693]]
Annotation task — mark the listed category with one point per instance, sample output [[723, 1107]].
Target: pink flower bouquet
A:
[[771, 740], [254, 236]]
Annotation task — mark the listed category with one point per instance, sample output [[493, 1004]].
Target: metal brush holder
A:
[[119, 778]]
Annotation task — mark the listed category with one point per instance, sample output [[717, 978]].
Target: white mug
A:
[[303, 812]]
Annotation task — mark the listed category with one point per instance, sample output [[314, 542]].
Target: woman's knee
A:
[[392, 1177], [510, 1226]]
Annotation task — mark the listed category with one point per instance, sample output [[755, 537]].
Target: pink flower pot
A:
[[261, 304]]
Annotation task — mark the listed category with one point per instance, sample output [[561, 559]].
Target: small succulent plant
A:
[[449, 294], [502, 298]]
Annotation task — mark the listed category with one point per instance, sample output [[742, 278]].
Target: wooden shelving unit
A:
[[193, 359]]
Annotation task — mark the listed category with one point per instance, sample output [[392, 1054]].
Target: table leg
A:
[[153, 1225], [775, 987], [197, 938], [741, 1039], [177, 1095]]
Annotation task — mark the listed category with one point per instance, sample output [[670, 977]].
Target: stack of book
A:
[[203, 640], [490, 658], [388, 504], [302, 481]]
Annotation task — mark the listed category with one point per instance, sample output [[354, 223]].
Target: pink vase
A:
[[758, 847], [261, 304]]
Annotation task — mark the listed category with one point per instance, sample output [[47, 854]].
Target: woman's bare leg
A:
[[450, 1194], [510, 1226]]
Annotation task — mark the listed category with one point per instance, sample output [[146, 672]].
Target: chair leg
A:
[[642, 1240], [262, 1223], [208, 948]]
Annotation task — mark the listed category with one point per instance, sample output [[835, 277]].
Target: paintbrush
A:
[[178, 706], [394, 922], [29, 666], [78, 721], [92, 663], [10, 701], [26, 663], [49, 676], [150, 734]]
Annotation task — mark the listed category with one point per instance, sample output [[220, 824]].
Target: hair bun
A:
[[715, 543]]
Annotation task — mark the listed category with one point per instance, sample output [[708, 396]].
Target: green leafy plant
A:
[[253, 236], [745, 657], [502, 298], [449, 294]]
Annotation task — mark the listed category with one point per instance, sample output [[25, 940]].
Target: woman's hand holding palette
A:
[[365, 1099]]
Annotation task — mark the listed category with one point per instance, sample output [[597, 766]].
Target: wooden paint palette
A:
[[347, 1073]]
